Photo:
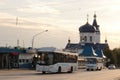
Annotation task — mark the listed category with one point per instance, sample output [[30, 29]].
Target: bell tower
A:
[[97, 31]]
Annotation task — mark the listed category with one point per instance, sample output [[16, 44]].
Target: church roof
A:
[[88, 48], [95, 23], [99, 53], [87, 28], [88, 51], [101, 46], [90, 28]]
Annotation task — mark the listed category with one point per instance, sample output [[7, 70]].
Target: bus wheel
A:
[[43, 72], [92, 69], [71, 70], [87, 69], [59, 69]]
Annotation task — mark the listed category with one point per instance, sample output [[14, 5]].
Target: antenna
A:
[[17, 36]]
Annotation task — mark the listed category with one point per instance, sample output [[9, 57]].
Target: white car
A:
[[112, 66]]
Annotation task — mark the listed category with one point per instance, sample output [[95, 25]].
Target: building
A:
[[8, 58], [26, 58], [89, 44], [16, 57]]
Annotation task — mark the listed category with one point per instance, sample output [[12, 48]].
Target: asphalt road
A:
[[78, 75]]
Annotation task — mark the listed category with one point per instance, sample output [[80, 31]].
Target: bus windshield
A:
[[91, 60], [94, 63], [45, 58]]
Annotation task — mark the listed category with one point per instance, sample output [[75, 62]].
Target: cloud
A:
[[5, 15], [9, 20], [39, 8]]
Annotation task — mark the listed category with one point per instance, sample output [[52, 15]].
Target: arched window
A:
[[81, 38], [90, 38], [85, 38]]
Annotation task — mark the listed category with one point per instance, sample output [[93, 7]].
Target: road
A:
[[78, 75]]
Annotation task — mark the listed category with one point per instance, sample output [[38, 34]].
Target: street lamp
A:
[[37, 35]]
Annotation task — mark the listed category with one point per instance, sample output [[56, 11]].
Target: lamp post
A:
[[37, 35]]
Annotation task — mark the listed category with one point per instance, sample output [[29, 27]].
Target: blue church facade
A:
[[89, 44]]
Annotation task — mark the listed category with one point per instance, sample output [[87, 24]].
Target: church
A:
[[89, 44]]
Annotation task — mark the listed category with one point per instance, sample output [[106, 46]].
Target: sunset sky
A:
[[62, 19]]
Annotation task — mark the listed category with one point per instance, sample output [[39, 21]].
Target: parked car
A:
[[111, 66]]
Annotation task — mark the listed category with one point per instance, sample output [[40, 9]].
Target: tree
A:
[[108, 54], [116, 56]]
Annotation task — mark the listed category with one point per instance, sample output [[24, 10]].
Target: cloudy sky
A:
[[62, 19]]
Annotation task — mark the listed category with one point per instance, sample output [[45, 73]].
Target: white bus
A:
[[94, 63], [56, 61]]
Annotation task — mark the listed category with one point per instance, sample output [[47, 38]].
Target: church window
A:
[[85, 38], [90, 38], [81, 38]]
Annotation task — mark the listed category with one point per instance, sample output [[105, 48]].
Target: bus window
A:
[[27, 60], [19, 60], [45, 58], [49, 58]]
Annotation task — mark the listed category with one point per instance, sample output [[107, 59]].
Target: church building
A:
[[89, 44]]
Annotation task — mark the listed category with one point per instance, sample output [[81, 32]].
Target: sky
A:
[[62, 19]]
